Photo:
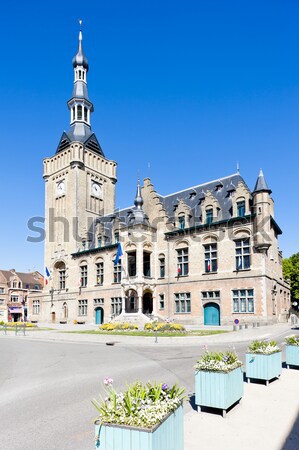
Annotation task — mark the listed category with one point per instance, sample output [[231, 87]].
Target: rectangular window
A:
[[182, 222], [161, 301], [83, 276], [116, 306], [210, 295], [242, 254], [210, 258], [243, 301], [146, 264], [82, 311], [61, 279], [99, 240], [183, 262], [1, 301], [117, 272], [35, 307], [182, 303], [116, 237], [209, 216], [14, 299], [100, 273], [2, 290], [241, 208], [132, 264], [162, 266]]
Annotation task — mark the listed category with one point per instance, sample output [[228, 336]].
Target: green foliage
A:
[[290, 268], [164, 326], [218, 361], [293, 340], [263, 347]]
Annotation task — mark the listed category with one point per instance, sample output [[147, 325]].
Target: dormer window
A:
[[209, 216], [241, 208], [182, 222], [192, 195], [99, 240]]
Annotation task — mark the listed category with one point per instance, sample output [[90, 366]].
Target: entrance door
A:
[[211, 314], [53, 315], [147, 307], [99, 316]]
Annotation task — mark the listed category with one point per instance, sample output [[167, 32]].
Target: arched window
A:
[[79, 112], [182, 221], [85, 114], [162, 265], [60, 267]]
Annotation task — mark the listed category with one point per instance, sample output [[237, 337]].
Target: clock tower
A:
[[79, 180]]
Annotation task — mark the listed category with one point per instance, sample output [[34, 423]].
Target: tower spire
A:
[[261, 184]]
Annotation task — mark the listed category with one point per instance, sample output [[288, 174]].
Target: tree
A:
[[290, 268]]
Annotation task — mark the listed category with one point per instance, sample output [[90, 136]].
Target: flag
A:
[[118, 254], [239, 263], [209, 265], [179, 270], [47, 275]]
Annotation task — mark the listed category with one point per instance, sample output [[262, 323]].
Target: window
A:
[[117, 272], [2, 290], [35, 307], [132, 264], [116, 306], [82, 310], [209, 215], [210, 295], [14, 284], [182, 222], [98, 301], [62, 279], [161, 301], [183, 262], [83, 276], [1, 301], [1, 313], [146, 264], [241, 208], [100, 273], [85, 114], [99, 240], [116, 237], [243, 301], [243, 254], [79, 112], [162, 266], [210, 258], [182, 302], [14, 299]]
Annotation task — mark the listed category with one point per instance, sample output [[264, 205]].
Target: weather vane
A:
[[80, 23]]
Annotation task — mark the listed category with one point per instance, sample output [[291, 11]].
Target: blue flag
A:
[[47, 272], [118, 254]]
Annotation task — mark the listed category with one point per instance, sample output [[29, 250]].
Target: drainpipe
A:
[[168, 278]]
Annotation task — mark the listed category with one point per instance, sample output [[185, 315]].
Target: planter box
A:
[[263, 367], [167, 435], [292, 355], [218, 390]]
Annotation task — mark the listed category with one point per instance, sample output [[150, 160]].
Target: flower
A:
[[164, 387], [263, 347], [218, 362], [108, 381]]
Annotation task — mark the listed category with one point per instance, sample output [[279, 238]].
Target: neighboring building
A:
[[208, 254], [14, 290]]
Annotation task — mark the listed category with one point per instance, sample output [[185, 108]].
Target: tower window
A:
[[85, 114], [79, 112], [80, 74], [73, 114], [132, 264]]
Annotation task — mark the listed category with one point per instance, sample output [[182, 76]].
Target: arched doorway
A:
[[131, 304], [99, 315], [53, 316], [65, 310], [211, 314], [147, 303]]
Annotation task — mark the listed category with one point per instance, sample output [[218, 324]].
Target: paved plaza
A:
[[48, 378]]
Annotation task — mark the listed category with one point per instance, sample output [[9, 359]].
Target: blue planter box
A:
[[292, 355], [263, 367], [167, 435], [218, 390]]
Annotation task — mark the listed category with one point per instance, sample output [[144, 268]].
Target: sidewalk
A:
[[263, 420]]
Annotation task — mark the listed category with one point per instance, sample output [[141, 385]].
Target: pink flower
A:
[[108, 381]]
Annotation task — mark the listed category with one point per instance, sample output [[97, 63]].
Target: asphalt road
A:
[[46, 387]]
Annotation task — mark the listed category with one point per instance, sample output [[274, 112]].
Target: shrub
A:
[[263, 347], [120, 326], [18, 324], [164, 327]]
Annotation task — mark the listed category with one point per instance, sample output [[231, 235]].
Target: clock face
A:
[[60, 188], [96, 189]]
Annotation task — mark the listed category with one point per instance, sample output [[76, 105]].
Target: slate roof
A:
[[86, 137], [261, 184]]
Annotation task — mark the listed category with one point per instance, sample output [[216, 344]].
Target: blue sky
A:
[[193, 87]]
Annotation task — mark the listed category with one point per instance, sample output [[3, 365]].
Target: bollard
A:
[[257, 324], [5, 329], [254, 324], [240, 327], [156, 335], [24, 328], [246, 326], [235, 328]]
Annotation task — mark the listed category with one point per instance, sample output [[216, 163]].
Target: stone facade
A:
[[205, 255]]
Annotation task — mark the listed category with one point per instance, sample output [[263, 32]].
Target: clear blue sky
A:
[[191, 86]]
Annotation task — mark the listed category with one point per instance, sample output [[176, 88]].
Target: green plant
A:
[[293, 340], [218, 362], [141, 405], [163, 327], [263, 347]]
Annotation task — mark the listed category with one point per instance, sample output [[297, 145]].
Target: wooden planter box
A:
[[218, 390], [292, 355], [263, 367], [167, 435]]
